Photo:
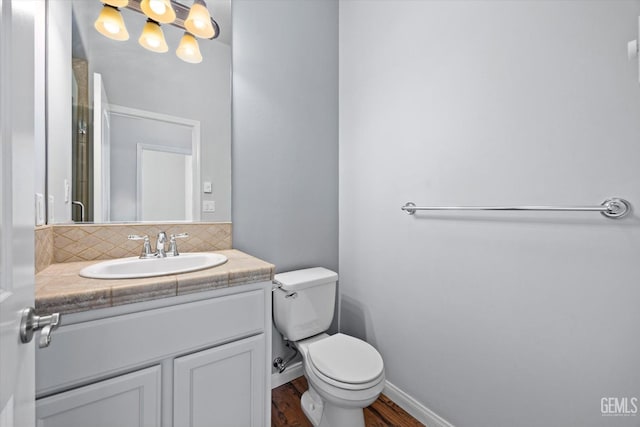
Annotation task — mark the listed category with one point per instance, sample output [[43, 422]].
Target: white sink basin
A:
[[131, 268]]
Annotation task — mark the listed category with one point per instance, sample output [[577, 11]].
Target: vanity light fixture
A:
[[110, 23], [198, 22], [152, 37], [159, 10], [188, 50], [116, 3]]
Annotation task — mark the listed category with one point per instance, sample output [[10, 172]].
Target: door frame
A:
[[194, 125]]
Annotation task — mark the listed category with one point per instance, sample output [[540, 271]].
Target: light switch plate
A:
[[67, 191], [207, 187], [40, 209], [208, 206]]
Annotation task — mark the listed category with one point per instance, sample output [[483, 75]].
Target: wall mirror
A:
[[135, 135]]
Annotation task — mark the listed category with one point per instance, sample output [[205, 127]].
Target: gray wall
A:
[[285, 132], [503, 319]]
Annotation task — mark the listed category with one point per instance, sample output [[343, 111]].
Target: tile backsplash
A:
[[43, 247], [82, 242]]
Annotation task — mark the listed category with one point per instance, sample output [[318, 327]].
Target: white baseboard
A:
[[292, 372], [417, 410]]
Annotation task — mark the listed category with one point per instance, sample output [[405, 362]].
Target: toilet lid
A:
[[346, 359]]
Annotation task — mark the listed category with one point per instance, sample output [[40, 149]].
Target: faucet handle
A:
[[146, 246], [173, 245], [137, 237]]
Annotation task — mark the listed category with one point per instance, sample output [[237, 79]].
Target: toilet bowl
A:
[[344, 373]]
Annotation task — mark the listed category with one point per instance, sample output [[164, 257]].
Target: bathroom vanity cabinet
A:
[[191, 360]]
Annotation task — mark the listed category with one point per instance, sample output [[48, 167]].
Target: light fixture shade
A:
[[152, 37], [159, 10], [198, 22], [116, 3], [110, 24], [188, 50]]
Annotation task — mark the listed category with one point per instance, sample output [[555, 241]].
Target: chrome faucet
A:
[[161, 240]]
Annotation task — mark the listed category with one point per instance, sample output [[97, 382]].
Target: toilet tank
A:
[[304, 304]]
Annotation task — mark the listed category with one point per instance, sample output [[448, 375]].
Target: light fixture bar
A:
[[182, 12]]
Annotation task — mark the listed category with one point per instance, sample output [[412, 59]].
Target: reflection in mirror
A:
[[152, 186], [132, 134], [148, 130]]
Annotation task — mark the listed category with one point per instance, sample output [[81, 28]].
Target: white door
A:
[[17, 376], [163, 171]]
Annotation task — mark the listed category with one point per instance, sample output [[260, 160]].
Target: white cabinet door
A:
[[223, 386], [131, 400]]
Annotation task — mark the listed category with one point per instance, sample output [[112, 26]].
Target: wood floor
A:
[[286, 410]]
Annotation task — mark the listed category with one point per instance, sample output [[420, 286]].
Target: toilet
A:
[[345, 374]]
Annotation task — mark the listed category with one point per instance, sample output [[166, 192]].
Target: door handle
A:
[[30, 323]]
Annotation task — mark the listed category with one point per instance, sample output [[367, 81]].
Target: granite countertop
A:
[[59, 288]]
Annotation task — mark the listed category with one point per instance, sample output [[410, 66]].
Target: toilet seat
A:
[[345, 362]]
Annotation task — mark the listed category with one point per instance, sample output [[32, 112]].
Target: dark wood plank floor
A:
[[286, 410]]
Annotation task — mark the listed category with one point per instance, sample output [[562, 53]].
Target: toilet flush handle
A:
[[277, 286]]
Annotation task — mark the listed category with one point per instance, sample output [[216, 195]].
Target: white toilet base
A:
[[325, 414], [334, 416], [312, 406]]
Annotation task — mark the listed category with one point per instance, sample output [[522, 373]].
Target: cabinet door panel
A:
[[222, 386], [131, 400]]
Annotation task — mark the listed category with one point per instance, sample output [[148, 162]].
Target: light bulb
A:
[[111, 27], [188, 49], [110, 24], [152, 37], [198, 21], [159, 10], [157, 6]]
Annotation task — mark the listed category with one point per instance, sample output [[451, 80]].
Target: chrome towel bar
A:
[[611, 208]]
